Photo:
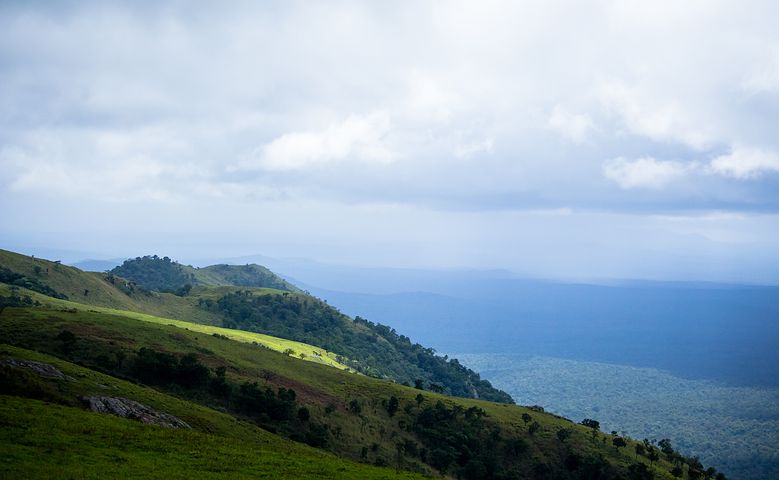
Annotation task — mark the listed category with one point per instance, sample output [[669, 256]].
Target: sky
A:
[[594, 139]]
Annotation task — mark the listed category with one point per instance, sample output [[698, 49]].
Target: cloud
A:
[[574, 126], [360, 138], [764, 77], [645, 112], [645, 172], [745, 163]]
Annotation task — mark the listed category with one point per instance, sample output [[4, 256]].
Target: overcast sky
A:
[[558, 139]]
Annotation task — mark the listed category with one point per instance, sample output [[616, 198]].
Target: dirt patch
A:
[[304, 392], [126, 408]]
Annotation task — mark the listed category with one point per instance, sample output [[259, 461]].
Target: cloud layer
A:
[[623, 109]]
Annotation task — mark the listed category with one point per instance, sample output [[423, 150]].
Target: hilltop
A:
[[166, 275], [63, 354]]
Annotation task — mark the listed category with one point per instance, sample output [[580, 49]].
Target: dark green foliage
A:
[[640, 449], [17, 301], [355, 407], [158, 368], [619, 442], [593, 424], [263, 404], [563, 434], [165, 275], [665, 447], [16, 381], [303, 414], [218, 385], [392, 405], [17, 279], [154, 273], [370, 348], [533, 428], [67, 341], [639, 471], [526, 418], [317, 435]]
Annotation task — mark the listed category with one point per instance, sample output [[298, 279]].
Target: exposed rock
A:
[[126, 408], [42, 369]]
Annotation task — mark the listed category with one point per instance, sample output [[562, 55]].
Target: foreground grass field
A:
[[57, 439], [40, 440], [319, 387]]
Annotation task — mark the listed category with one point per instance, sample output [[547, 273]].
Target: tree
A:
[[420, 398], [392, 405], [526, 418], [640, 449], [593, 424], [619, 442], [533, 428], [653, 456], [355, 407], [563, 434], [419, 384], [677, 471], [665, 446], [639, 471], [303, 414], [68, 341]]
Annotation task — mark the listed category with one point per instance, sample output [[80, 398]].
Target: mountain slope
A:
[[348, 414], [165, 275], [52, 436], [353, 416], [367, 347]]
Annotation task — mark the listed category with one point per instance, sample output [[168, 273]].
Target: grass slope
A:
[[101, 334], [61, 440], [372, 349], [289, 347], [94, 288]]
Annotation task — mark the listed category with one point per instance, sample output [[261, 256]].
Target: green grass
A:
[[43, 440], [299, 350], [317, 385]]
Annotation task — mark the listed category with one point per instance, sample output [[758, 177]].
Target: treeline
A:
[[274, 410], [372, 349]]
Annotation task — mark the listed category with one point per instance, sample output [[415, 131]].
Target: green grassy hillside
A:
[[353, 409], [99, 289], [52, 436], [369, 348], [165, 275], [237, 392]]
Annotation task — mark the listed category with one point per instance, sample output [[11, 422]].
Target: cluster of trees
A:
[[155, 273], [17, 279], [693, 466], [369, 348], [15, 300], [187, 377], [463, 443]]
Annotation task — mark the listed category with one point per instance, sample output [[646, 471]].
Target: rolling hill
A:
[[62, 356]]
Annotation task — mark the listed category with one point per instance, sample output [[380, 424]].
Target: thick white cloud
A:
[[359, 138], [746, 162]]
